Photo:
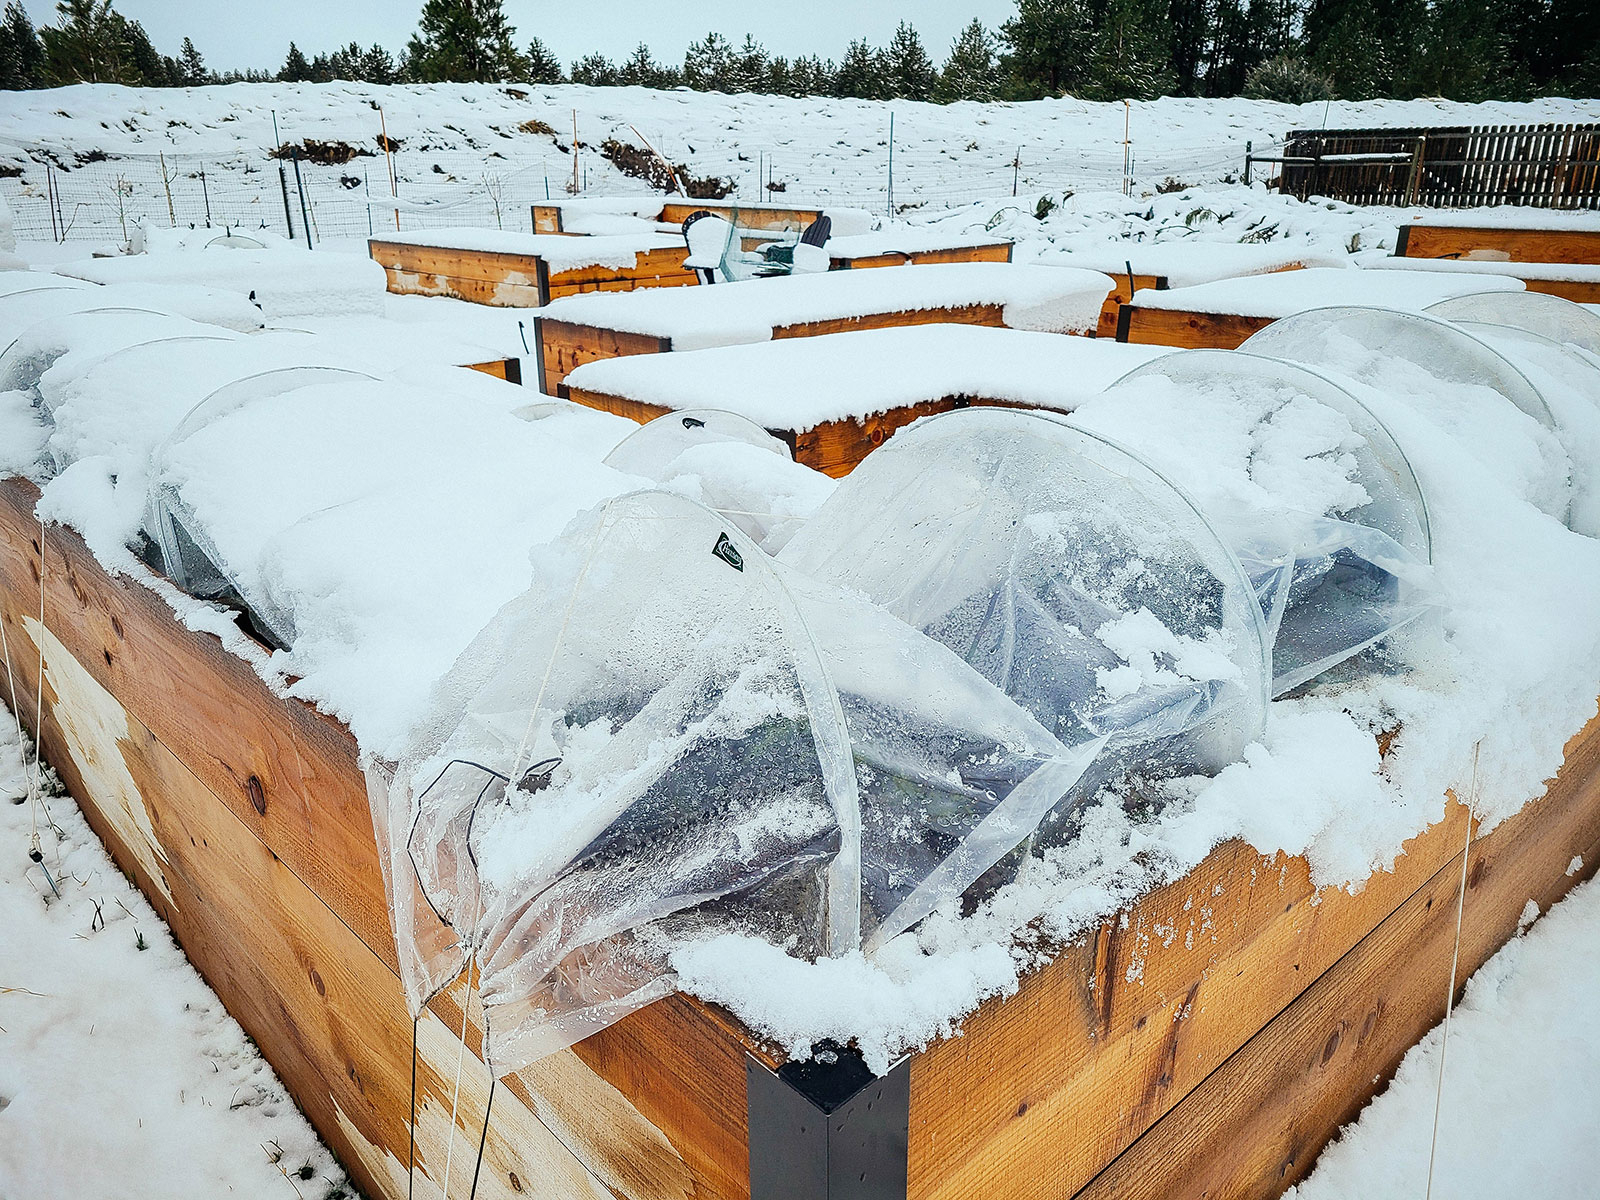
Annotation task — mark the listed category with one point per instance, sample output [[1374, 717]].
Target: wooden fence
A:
[[1539, 166]]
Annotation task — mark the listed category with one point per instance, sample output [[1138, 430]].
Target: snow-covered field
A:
[[475, 155], [121, 1074], [379, 518]]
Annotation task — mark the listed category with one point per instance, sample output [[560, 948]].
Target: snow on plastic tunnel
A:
[[1071, 575], [1311, 490], [701, 740]]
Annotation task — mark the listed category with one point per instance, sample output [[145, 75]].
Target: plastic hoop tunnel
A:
[[701, 739], [1314, 494], [1535, 312], [725, 462], [1069, 574], [1471, 391]]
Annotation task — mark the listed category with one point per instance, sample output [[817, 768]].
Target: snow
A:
[[37, 295], [798, 383], [391, 519], [1520, 1106], [120, 1070], [1185, 264], [1052, 299], [1511, 217], [1285, 293], [1553, 272], [906, 241], [559, 252], [284, 281]]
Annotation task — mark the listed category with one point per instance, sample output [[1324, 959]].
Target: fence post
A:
[[283, 182], [1248, 146], [166, 182], [1414, 179], [890, 196], [305, 216], [206, 195], [50, 202]]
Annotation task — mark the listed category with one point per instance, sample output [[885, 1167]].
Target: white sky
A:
[[236, 36]]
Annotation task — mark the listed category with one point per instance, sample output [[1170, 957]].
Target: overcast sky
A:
[[236, 36]]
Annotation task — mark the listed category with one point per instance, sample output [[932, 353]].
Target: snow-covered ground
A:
[[1519, 1112], [481, 154], [121, 1074], [343, 507]]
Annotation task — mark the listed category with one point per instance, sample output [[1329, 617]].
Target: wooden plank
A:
[[509, 369], [1139, 1014], [500, 294], [216, 719], [1518, 245], [1257, 1124], [547, 218], [837, 447], [621, 406], [966, 314], [1186, 330], [676, 212], [661, 262], [989, 252], [1122, 290], [1577, 291], [564, 346], [324, 1010]]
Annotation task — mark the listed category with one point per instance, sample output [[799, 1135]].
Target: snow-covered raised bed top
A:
[[1512, 217], [795, 384], [1185, 264], [1284, 293], [908, 241], [1048, 299], [557, 252], [284, 281], [1580, 273]]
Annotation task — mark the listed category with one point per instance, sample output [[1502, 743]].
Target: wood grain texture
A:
[[964, 314], [512, 280], [1519, 245], [837, 447], [211, 720], [1138, 1015], [1122, 288], [564, 346], [1575, 290], [1257, 1124], [1186, 330], [989, 252]]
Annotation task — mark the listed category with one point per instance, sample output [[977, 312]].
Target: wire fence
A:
[[105, 198]]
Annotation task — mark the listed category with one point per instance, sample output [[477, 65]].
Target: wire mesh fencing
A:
[[104, 198]]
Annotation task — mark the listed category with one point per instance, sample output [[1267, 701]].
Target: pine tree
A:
[[1231, 53], [909, 73], [1288, 80], [811, 76], [543, 66], [295, 68], [87, 44], [780, 77], [1049, 45], [747, 67], [596, 70], [706, 64], [463, 41], [21, 55], [641, 70], [1572, 56], [860, 73], [1367, 47], [1191, 22], [191, 66], [1466, 51], [1131, 60], [970, 72], [377, 65]]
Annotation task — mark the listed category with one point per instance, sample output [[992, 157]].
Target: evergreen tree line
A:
[[1293, 50]]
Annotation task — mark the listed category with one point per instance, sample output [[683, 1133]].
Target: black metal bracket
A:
[[828, 1128]]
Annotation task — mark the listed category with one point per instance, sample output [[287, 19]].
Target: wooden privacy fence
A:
[[1539, 166]]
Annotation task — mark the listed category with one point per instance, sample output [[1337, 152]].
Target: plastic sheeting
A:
[[738, 478], [1069, 574], [1333, 578], [702, 740], [1445, 373], [1550, 316], [188, 556]]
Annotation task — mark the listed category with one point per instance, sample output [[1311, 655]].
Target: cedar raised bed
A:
[[547, 216], [1208, 1040], [514, 280], [985, 252], [565, 346], [1530, 245]]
